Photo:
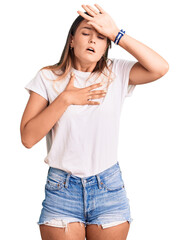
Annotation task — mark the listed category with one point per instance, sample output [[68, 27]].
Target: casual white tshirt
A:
[[84, 140]]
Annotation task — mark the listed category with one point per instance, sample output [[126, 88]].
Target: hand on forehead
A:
[[85, 25]]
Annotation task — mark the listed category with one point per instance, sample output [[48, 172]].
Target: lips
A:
[[91, 49]]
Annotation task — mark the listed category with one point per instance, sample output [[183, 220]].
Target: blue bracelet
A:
[[119, 36]]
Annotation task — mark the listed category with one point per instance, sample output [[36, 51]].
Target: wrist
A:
[[116, 37], [114, 34], [65, 99]]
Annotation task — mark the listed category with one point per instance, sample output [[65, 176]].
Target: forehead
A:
[[85, 25]]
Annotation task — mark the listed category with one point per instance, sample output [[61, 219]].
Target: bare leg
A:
[[118, 232], [75, 231]]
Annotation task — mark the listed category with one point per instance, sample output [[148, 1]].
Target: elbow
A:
[[165, 69], [26, 143], [27, 146], [26, 138]]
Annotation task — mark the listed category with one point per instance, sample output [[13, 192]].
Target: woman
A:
[[84, 189]]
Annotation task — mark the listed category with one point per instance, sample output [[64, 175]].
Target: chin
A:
[[88, 59]]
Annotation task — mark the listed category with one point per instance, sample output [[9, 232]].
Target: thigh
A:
[[118, 232], [75, 231]]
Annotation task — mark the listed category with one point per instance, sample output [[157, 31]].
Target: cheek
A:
[[80, 46], [78, 49], [103, 46], [102, 50]]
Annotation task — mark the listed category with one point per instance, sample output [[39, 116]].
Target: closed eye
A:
[[86, 34]]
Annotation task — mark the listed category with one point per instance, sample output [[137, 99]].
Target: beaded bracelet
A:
[[119, 36]]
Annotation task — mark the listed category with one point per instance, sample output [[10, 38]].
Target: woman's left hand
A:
[[101, 21]]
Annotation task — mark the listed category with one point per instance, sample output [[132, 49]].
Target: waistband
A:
[[100, 176]]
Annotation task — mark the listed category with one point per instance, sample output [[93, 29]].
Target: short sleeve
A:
[[37, 85], [122, 70]]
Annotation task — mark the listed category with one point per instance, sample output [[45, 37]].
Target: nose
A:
[[92, 41]]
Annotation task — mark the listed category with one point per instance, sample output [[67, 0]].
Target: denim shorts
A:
[[99, 199]]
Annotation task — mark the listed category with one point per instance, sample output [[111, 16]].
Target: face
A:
[[87, 37]]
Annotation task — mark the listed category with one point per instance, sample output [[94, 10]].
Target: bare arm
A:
[[150, 66], [38, 118], [39, 125]]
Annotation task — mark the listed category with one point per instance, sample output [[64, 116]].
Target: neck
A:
[[84, 67]]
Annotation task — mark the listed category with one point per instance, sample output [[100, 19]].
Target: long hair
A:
[[62, 68]]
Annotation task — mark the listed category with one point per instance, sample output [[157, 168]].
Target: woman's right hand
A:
[[81, 96]]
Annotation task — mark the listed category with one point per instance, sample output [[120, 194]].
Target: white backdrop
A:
[[153, 144]]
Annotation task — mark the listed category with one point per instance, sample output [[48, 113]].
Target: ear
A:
[[71, 41]]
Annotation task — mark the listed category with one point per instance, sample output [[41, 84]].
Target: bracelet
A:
[[119, 36]]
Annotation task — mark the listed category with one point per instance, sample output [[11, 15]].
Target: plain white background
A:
[[153, 144]]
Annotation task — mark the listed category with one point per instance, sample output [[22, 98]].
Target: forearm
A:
[[39, 126], [147, 57]]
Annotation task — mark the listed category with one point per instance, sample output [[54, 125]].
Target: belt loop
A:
[[99, 181], [67, 180]]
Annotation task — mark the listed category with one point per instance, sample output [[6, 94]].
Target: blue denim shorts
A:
[[100, 199]]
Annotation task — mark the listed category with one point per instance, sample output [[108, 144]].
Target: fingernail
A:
[[72, 74]]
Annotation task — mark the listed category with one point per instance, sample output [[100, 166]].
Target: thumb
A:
[[71, 81]]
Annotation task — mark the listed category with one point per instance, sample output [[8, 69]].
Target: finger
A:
[[99, 95], [97, 92], [89, 97], [72, 78], [97, 85], [87, 9], [99, 8], [96, 26], [93, 103], [84, 15], [93, 10], [72, 75]]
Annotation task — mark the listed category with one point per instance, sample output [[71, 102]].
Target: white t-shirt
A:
[[84, 140]]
